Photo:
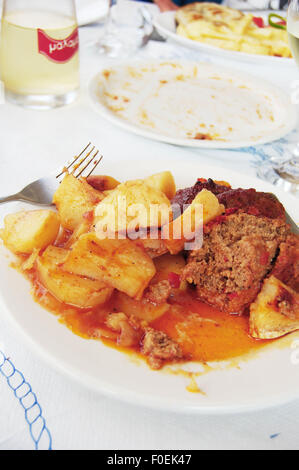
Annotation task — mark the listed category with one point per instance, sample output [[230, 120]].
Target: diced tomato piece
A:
[[259, 22], [202, 180], [174, 280]]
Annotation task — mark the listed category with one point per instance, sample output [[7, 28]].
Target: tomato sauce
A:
[[204, 333]]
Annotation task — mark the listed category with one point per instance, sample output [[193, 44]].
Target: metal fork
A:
[[41, 192]]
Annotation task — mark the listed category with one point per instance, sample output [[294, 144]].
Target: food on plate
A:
[[286, 267], [121, 264], [67, 287], [159, 347], [212, 276], [275, 312], [74, 198], [187, 195], [276, 21], [224, 27], [142, 310], [127, 207], [163, 181], [102, 182], [237, 253], [154, 248], [25, 231], [190, 220]]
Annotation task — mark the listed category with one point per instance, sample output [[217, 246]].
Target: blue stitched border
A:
[[27, 399]]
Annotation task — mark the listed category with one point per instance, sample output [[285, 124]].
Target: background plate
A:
[[235, 106], [266, 380], [165, 24]]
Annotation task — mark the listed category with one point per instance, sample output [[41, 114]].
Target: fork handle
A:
[[14, 197]]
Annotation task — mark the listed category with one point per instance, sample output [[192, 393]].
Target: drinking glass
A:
[[124, 30], [39, 57]]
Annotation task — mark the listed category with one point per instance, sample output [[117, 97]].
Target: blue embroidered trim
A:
[[27, 399]]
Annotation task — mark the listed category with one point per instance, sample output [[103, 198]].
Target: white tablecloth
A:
[[55, 412]]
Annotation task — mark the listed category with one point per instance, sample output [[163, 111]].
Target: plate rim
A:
[[123, 395], [208, 48], [107, 114]]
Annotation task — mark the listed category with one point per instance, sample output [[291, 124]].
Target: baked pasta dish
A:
[[231, 29], [160, 295]]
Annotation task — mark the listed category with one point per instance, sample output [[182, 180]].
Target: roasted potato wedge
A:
[[275, 312], [66, 287], [181, 229], [164, 182], [119, 263], [26, 231], [73, 199], [132, 205], [84, 227], [143, 310]]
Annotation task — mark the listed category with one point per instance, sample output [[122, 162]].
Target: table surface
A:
[[68, 416]]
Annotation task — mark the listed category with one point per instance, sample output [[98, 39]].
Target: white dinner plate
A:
[[269, 378], [166, 26], [179, 101]]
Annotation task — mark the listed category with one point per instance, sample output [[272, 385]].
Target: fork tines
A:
[[84, 164]]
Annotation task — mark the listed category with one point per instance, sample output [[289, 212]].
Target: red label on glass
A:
[[58, 50]]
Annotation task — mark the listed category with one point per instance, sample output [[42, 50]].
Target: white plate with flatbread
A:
[[192, 104]]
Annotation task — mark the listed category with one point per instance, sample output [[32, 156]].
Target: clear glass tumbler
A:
[[39, 57], [125, 30]]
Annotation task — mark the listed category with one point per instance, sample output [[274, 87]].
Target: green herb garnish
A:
[[282, 24]]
